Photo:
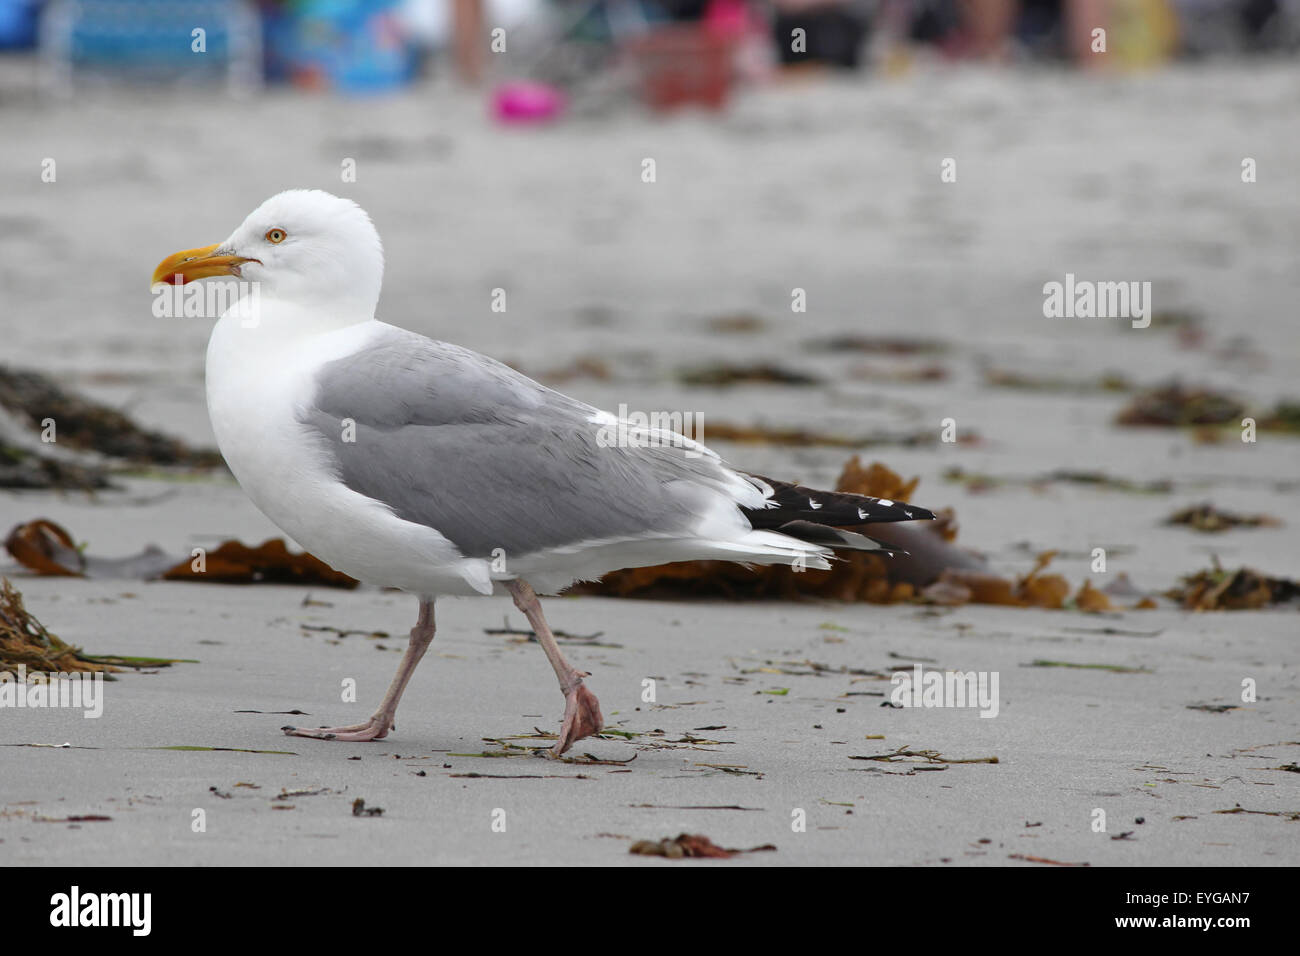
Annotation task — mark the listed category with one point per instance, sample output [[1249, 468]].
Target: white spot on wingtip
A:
[[886, 502], [862, 514], [814, 504]]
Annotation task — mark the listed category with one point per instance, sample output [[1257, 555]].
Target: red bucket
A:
[[683, 65]]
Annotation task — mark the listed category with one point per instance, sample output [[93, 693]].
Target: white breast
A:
[[257, 379]]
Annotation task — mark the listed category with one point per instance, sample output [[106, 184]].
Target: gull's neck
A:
[[265, 319]]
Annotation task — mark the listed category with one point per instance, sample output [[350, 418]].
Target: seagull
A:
[[421, 465]]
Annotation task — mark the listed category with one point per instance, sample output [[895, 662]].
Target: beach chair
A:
[[199, 42]]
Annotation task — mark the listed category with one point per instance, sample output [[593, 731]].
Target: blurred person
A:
[[991, 23], [684, 9], [1080, 18], [988, 26], [834, 32], [1212, 26], [1271, 24], [469, 49]]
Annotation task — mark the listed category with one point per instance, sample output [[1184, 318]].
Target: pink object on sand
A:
[[521, 101]]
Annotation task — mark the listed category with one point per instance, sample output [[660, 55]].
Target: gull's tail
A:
[[818, 517]]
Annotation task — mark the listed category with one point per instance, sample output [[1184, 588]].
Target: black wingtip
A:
[[788, 502], [878, 512]]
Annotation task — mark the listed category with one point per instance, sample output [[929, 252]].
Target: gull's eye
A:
[[276, 235]]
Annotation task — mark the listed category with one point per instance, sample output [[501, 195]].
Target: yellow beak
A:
[[190, 264]]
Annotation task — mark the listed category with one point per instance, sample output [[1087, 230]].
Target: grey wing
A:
[[463, 444]]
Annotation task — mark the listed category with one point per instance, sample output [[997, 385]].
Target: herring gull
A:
[[417, 464]]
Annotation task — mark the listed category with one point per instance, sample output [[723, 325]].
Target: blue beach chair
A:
[[151, 41]]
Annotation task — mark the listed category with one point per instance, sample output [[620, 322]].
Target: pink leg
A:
[[582, 716], [378, 726]]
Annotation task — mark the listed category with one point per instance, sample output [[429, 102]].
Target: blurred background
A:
[[673, 52], [823, 225]]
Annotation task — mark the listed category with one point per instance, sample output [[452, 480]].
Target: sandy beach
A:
[[614, 286]]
